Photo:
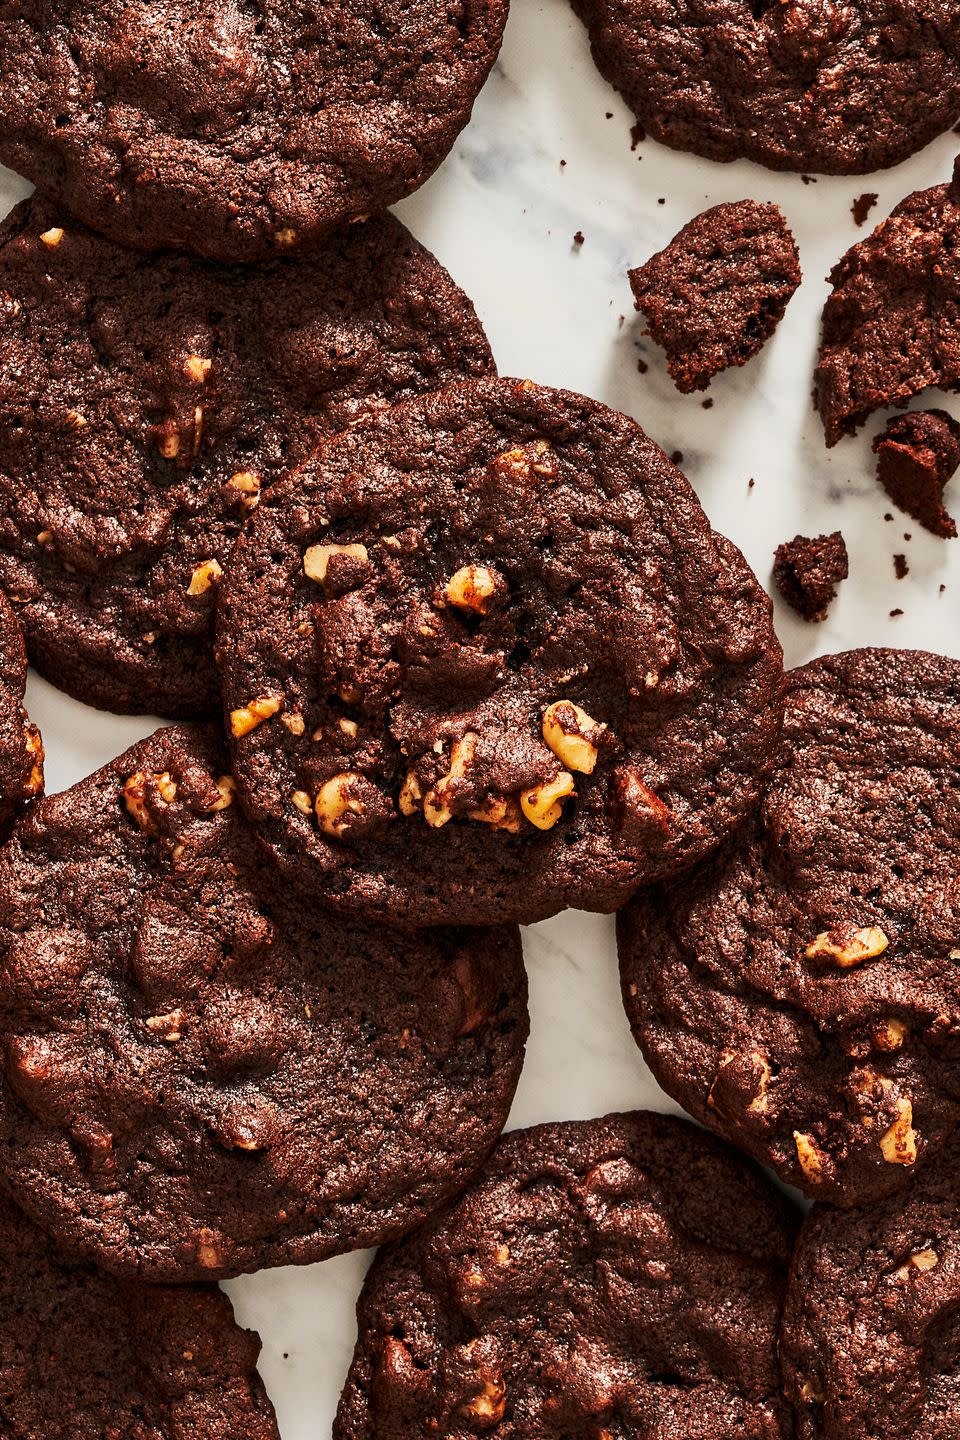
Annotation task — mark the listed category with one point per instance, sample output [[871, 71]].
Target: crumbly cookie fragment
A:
[[807, 572], [917, 454]]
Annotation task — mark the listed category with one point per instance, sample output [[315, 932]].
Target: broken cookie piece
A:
[[917, 454], [807, 572], [717, 292]]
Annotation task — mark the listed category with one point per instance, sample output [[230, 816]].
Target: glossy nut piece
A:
[[542, 805], [568, 730]]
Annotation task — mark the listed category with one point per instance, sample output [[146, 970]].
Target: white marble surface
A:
[[501, 214]]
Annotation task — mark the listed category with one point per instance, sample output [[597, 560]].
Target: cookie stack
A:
[[445, 654]]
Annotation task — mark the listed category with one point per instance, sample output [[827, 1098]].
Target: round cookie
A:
[[838, 86], [84, 1356], [484, 658], [233, 130], [145, 404], [201, 1077], [871, 1324], [799, 992], [21, 749], [616, 1277]]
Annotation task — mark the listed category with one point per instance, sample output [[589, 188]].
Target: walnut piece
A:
[[53, 237], [336, 800], [207, 573], [570, 733], [249, 716], [317, 559], [812, 1158], [844, 946], [435, 809], [471, 588], [542, 805], [898, 1145], [247, 482]]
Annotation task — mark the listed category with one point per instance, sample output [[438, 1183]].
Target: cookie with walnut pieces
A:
[[843, 87], [201, 1076], [84, 1356], [236, 130], [484, 658], [870, 1327], [617, 1277], [800, 992], [21, 748], [147, 404]]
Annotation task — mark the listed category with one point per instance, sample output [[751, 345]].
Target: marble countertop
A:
[[501, 214]]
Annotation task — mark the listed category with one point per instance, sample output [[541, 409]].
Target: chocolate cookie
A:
[[839, 86], [718, 291], [146, 403], [890, 327], [203, 1077], [616, 1277], [917, 454], [86, 1357], [807, 572], [21, 749], [484, 658], [871, 1326], [233, 130], [799, 992]]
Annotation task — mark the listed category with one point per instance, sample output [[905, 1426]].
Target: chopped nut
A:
[[302, 801], [317, 559], [471, 588], [44, 539], [52, 238], [845, 946], [169, 446], [294, 722], [349, 727], [811, 1157], [435, 809], [501, 812], [898, 1145], [36, 756], [134, 794], [924, 1259], [811, 1391], [197, 368], [410, 794], [248, 717], [227, 788], [335, 802], [206, 574], [490, 1404], [168, 1027], [542, 805], [890, 1035], [567, 730], [248, 484], [73, 420], [286, 236], [209, 1249]]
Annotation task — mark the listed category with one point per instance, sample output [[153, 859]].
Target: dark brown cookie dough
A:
[[799, 993], [871, 1327], [484, 658], [619, 1277], [890, 325], [86, 1357], [234, 130], [203, 1077], [917, 454], [838, 86], [718, 291], [145, 403], [807, 572], [21, 749]]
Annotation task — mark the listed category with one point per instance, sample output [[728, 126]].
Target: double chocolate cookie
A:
[[839, 86], [484, 658], [21, 748], [201, 1076], [799, 993], [236, 130], [146, 404], [871, 1327], [86, 1357], [890, 326], [619, 1277]]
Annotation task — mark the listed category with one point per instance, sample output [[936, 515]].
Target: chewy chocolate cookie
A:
[[891, 325], [146, 403], [484, 658], [870, 1342], [619, 1277], [917, 454], [21, 749], [86, 1357], [718, 291], [232, 129], [799, 992], [202, 1077], [838, 86]]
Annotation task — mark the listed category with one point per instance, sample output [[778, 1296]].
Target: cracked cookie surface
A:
[[21, 748], [798, 993], [233, 129], [201, 1077], [146, 404], [616, 1277], [484, 658]]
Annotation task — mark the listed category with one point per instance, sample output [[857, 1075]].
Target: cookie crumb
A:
[[809, 179], [637, 134], [642, 366], [807, 572], [895, 613], [707, 404], [677, 457], [900, 566], [750, 483], [862, 206], [579, 238]]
